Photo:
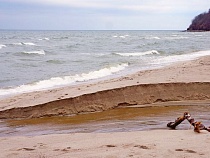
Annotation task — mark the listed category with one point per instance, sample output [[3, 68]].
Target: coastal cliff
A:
[[201, 22]]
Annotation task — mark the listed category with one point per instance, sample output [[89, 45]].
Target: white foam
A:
[[18, 44], [155, 37], [28, 43], [47, 39], [61, 81], [122, 36], [2, 46], [139, 53], [176, 37], [183, 57], [152, 37], [40, 52]]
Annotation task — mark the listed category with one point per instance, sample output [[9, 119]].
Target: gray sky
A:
[[100, 14]]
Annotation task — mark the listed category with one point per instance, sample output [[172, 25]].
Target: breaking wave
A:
[[138, 53], [61, 81], [175, 37], [39, 52], [42, 39], [183, 57], [121, 36], [24, 43], [2, 46]]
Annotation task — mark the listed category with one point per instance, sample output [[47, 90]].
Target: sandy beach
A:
[[158, 143], [182, 81]]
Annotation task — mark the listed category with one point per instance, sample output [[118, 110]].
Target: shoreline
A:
[[143, 87]]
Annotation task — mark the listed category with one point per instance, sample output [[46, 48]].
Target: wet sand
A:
[[126, 119]]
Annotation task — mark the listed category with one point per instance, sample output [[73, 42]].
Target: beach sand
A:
[[156, 143], [182, 81]]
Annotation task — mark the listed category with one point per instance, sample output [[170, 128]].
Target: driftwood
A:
[[197, 125]]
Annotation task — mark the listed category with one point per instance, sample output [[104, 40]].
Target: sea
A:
[[39, 60]]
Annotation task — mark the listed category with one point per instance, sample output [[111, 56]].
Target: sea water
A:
[[38, 60]]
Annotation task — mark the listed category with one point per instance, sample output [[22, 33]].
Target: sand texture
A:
[[157, 143]]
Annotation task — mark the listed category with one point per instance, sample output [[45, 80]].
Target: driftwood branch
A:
[[197, 125]]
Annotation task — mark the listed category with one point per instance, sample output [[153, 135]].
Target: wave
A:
[[55, 61], [183, 57], [61, 81], [2, 46], [122, 36], [24, 43], [29, 43], [42, 39], [152, 52], [18, 44], [176, 37], [40, 52], [153, 37]]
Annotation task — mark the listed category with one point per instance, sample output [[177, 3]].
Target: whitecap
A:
[[152, 37], [61, 81], [115, 36], [47, 39], [155, 38], [28, 43], [40, 52], [176, 37], [18, 44], [182, 57], [2, 46], [122, 36], [152, 52]]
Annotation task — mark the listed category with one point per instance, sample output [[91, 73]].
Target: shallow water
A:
[[116, 120]]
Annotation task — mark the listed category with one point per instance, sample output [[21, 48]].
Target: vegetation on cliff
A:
[[201, 22]]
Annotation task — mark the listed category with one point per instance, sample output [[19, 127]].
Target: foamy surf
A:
[[24, 43], [42, 39], [66, 80], [39, 52], [121, 36], [152, 52], [28, 43], [153, 37], [178, 58], [2, 46], [176, 37]]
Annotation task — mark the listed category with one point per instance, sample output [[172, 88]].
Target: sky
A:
[[100, 14]]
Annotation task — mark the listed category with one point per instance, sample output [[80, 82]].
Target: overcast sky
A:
[[100, 14]]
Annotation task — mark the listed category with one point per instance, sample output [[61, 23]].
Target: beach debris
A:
[[197, 125]]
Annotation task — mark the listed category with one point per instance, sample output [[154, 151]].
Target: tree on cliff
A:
[[201, 22]]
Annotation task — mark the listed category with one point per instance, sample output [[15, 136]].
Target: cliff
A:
[[201, 22]]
